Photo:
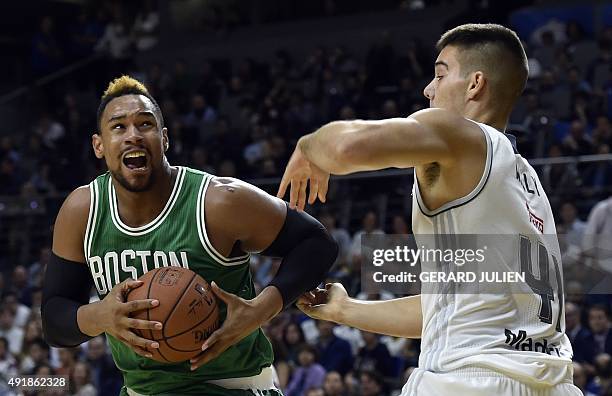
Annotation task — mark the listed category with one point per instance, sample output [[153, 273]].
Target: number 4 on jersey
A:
[[542, 285]]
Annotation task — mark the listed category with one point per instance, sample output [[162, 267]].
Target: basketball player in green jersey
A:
[[144, 214]]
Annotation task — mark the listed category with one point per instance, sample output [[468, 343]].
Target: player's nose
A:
[[132, 134], [428, 92]]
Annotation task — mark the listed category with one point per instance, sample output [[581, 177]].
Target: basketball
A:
[[187, 310]]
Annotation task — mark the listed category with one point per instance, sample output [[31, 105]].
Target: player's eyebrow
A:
[[441, 63], [121, 116]]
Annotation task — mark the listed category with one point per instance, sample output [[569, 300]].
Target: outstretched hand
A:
[[300, 173], [324, 304]]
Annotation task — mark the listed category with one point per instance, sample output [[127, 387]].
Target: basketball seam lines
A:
[[193, 327], [176, 303]]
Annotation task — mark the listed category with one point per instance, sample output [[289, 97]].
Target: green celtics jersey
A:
[[176, 237]]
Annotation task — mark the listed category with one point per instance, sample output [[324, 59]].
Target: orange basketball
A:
[[187, 310]]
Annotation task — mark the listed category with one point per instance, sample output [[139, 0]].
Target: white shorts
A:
[[426, 383]]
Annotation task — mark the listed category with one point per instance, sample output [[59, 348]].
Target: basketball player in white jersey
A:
[[469, 179]]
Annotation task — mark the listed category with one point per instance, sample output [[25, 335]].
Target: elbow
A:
[[329, 252], [48, 335]]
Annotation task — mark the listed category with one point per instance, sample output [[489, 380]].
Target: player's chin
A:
[[136, 179]]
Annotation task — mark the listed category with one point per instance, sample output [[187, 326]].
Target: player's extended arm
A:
[[67, 316], [399, 317], [241, 215], [432, 135]]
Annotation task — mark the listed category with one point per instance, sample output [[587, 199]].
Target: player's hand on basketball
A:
[[300, 174], [115, 317], [242, 319], [324, 304]]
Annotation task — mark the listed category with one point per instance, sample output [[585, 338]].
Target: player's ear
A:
[[476, 85], [165, 140], [98, 146]]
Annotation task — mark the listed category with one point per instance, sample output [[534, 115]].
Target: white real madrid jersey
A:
[[522, 335]]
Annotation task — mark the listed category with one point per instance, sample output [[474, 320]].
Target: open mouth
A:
[[135, 160]]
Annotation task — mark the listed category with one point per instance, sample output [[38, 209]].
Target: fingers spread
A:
[[302, 196], [314, 189], [323, 186], [282, 189], [143, 324], [138, 305]]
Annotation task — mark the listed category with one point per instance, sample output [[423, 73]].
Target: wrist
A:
[[89, 320], [268, 303], [341, 314]]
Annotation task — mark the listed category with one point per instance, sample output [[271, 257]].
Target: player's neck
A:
[[140, 208], [489, 116]]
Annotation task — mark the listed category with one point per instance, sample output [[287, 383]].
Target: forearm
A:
[[401, 317], [269, 303], [66, 290], [324, 147], [88, 320]]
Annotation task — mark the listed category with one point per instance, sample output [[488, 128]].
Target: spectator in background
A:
[[10, 331], [10, 179], [580, 337], [32, 333], [599, 322], [146, 26], [201, 113], [577, 142], [37, 269], [84, 35], [558, 179], [38, 353], [335, 354], [116, 42], [603, 375], [369, 227], [46, 50], [571, 227], [308, 374], [50, 131], [374, 356], [580, 379], [8, 364], [293, 337], [333, 385], [371, 384], [21, 311], [19, 284], [341, 236], [597, 234], [80, 381], [104, 374], [399, 226], [67, 360]]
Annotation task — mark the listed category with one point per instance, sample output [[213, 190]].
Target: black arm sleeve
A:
[[66, 287], [308, 252]]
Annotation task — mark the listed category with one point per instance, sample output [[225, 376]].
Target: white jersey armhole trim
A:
[[465, 199], [91, 219], [201, 224]]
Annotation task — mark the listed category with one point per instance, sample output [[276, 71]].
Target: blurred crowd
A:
[[243, 118]]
